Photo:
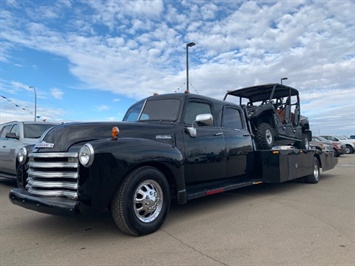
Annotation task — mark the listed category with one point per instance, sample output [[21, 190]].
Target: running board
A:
[[203, 190]]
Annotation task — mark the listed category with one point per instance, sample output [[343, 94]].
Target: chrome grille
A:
[[53, 174]]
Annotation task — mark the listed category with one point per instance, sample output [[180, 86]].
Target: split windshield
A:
[[154, 110]]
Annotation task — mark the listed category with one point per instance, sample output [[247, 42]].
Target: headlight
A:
[[22, 155], [86, 155]]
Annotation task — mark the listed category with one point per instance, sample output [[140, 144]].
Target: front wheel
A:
[[264, 137], [314, 178], [141, 203]]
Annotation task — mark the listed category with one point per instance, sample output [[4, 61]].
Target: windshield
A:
[[154, 110], [34, 131]]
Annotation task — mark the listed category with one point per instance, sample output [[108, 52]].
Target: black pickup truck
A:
[[168, 147]]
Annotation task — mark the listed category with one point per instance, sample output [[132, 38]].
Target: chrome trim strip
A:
[[53, 193], [33, 173], [53, 165], [44, 184], [54, 155]]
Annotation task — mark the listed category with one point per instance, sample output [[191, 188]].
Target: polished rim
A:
[[316, 171], [148, 199], [268, 136], [306, 143]]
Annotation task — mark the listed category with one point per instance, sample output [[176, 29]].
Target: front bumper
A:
[[50, 205]]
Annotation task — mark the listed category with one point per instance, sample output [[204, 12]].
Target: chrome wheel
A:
[[148, 199], [316, 172]]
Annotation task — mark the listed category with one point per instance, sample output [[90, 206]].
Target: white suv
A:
[[13, 136], [349, 143]]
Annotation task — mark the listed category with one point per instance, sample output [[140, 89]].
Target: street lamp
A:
[[283, 79], [187, 64], [34, 89]]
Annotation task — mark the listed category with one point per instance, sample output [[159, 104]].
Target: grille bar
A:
[[45, 184], [53, 165]]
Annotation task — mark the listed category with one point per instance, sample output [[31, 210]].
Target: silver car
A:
[[13, 136]]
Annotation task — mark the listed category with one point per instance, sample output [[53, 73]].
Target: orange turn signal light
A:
[[115, 131]]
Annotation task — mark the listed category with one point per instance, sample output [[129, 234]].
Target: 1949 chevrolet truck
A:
[[175, 146]]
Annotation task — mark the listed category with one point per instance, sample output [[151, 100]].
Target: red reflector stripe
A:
[[214, 191]]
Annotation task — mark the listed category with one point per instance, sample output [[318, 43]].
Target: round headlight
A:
[[22, 155], [86, 155]]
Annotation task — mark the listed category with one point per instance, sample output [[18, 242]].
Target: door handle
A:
[[218, 134]]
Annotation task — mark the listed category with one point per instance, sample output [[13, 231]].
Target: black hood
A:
[[66, 135]]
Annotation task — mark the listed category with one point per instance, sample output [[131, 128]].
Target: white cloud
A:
[[57, 93]]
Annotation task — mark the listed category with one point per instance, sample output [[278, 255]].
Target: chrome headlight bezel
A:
[[86, 155], [22, 155]]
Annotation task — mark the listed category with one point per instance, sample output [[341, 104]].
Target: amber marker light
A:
[[115, 131], [275, 152]]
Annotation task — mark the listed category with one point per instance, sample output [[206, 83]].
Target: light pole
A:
[[34, 89], [283, 79], [187, 64]]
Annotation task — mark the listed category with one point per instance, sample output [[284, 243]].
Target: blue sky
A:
[[89, 60]]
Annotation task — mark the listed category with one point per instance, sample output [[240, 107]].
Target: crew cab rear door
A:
[[239, 148], [205, 157]]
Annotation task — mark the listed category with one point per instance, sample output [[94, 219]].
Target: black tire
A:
[[314, 178], [336, 153], [264, 137], [141, 203], [304, 143], [349, 149]]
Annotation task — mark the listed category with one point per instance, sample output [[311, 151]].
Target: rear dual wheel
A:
[[314, 178]]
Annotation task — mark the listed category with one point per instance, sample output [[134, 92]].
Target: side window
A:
[[5, 130], [232, 118], [196, 108], [16, 129]]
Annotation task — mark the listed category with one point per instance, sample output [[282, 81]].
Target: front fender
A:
[[115, 159]]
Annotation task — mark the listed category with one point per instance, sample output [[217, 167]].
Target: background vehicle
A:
[[321, 144], [275, 115], [352, 136], [349, 143], [338, 148], [13, 136], [174, 146]]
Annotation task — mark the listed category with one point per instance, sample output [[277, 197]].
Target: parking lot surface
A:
[[268, 224]]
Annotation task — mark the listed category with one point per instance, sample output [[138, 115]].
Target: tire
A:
[[314, 178], [264, 137], [141, 203], [336, 153], [304, 143], [348, 149]]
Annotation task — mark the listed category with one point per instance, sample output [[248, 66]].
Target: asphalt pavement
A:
[[267, 224]]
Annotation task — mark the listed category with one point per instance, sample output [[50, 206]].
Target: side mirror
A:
[[203, 120], [11, 136]]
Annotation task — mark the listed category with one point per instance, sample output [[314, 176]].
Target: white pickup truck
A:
[[13, 136]]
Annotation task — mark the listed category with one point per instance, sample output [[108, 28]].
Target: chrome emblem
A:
[[44, 145]]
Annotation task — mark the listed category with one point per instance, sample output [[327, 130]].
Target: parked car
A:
[[321, 144], [13, 136], [275, 115], [337, 147], [349, 143], [352, 136]]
